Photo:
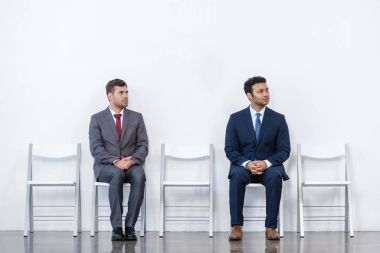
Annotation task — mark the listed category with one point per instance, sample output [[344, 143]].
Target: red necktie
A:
[[118, 123]]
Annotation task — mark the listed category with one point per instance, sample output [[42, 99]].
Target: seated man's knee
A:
[[273, 175], [240, 174], [138, 176], [118, 176]]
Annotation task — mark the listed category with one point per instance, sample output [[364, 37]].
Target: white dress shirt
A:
[[121, 124], [254, 116], [114, 119]]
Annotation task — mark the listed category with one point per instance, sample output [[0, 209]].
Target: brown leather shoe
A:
[[271, 234], [236, 233]]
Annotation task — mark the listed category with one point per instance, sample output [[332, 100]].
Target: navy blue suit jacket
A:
[[273, 143]]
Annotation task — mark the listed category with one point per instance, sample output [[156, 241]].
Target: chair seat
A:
[[52, 183], [189, 183], [255, 185], [326, 183], [107, 184], [101, 184]]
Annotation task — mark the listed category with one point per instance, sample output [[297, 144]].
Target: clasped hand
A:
[[256, 167], [124, 163]]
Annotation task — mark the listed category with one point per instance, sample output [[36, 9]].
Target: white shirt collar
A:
[[113, 113], [253, 112]]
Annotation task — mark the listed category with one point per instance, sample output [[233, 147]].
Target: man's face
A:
[[119, 97], [260, 94]]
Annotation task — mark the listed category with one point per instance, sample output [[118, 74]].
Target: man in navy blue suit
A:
[[257, 144]]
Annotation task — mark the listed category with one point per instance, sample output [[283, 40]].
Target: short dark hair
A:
[[252, 81], [110, 87]]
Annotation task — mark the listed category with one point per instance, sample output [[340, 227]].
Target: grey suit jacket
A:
[[105, 145]]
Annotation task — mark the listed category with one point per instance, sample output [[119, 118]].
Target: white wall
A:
[[185, 63]]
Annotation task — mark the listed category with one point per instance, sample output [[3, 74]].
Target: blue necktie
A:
[[257, 125]]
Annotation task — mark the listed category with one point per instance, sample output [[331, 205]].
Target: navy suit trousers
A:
[[271, 179]]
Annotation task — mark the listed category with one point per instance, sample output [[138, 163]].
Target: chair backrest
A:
[[187, 153], [53, 154], [324, 153]]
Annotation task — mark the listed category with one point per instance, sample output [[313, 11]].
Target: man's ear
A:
[[109, 96], [249, 95]]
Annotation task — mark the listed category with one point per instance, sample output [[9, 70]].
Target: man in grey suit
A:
[[119, 145]]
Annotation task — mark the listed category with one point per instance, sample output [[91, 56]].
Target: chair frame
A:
[[29, 214], [301, 183], [167, 184]]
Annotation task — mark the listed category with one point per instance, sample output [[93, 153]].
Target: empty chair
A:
[[324, 155], [252, 187], [52, 155], [185, 154], [95, 217]]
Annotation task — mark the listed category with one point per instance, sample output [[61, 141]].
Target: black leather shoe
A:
[[130, 234], [117, 235]]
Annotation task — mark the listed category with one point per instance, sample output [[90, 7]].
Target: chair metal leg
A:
[[79, 211], [76, 210], [281, 219], [31, 212], [27, 211], [298, 211], [162, 211], [350, 222], [96, 210], [301, 216], [346, 213], [93, 212], [211, 213], [143, 216]]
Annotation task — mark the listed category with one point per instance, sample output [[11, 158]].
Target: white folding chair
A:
[[186, 153], [53, 155], [262, 218], [95, 217], [323, 154]]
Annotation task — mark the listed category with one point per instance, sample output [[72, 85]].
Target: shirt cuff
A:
[[269, 164], [245, 163]]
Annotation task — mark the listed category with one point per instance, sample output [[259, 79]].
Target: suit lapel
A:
[[110, 122], [125, 123], [265, 124], [248, 121]]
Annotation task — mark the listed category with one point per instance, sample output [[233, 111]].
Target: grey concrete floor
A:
[[183, 242]]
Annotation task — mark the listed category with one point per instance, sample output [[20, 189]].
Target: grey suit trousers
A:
[[116, 177]]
